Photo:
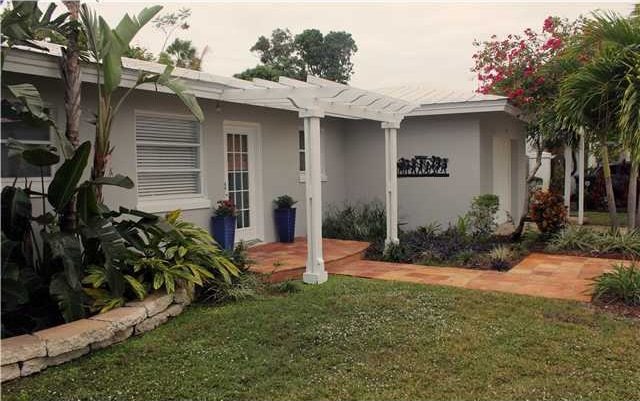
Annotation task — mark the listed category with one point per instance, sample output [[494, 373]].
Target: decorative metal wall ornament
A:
[[423, 166]]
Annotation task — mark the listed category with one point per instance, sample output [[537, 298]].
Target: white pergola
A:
[[313, 100]]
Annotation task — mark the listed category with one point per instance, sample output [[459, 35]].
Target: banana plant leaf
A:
[[177, 86], [70, 301], [65, 181], [117, 180], [119, 40], [67, 249], [16, 213]]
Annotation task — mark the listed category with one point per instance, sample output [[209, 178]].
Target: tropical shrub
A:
[[547, 210], [188, 254], [620, 285], [482, 215], [360, 222]]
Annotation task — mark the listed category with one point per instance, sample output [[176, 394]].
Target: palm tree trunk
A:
[[72, 97], [606, 169], [525, 207], [632, 196]]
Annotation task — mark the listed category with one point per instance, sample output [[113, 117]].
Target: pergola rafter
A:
[[313, 100], [333, 98]]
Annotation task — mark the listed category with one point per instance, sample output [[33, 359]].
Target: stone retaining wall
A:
[[30, 353]]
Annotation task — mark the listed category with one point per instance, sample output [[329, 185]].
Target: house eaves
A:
[[46, 64], [482, 106]]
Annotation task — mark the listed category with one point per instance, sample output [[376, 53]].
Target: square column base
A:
[[315, 278]]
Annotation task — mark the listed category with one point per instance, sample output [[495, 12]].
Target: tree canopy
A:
[[310, 52]]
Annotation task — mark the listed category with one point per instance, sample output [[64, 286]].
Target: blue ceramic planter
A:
[[285, 224], [224, 230]]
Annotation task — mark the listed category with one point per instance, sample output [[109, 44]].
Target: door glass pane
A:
[[244, 143], [246, 221], [245, 200], [229, 143], [231, 182]]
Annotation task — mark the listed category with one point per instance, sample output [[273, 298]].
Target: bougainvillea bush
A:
[[547, 210], [514, 66]]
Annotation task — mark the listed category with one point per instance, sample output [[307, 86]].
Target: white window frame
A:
[[36, 181], [302, 173], [165, 203]]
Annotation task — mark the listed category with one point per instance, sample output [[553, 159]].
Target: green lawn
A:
[[602, 218], [363, 339]]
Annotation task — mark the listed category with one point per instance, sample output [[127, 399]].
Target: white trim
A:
[[240, 127], [171, 199], [167, 205], [323, 155], [482, 106]]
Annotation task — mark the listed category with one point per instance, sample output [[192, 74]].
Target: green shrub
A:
[[396, 253], [245, 286], [286, 287], [618, 241], [500, 257], [547, 210], [284, 202], [482, 215], [360, 222], [620, 285], [574, 238], [582, 239]]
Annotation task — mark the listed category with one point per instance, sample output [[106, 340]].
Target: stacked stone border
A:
[[27, 354]]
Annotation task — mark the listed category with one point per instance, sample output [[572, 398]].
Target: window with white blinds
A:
[[168, 157]]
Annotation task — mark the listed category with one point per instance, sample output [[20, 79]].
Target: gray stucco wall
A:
[[353, 155], [420, 200], [279, 148]]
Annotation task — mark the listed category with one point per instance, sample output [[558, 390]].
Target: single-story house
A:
[[426, 154]]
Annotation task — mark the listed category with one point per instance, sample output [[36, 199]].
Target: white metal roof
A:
[[433, 101], [384, 104]]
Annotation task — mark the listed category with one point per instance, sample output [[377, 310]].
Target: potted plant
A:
[[285, 217], [223, 223]]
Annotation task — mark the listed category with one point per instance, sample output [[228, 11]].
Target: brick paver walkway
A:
[[542, 275]]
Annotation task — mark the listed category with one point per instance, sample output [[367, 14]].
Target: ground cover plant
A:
[[470, 242], [338, 341], [585, 241]]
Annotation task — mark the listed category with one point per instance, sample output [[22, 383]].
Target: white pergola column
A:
[[568, 164], [581, 162], [315, 272], [391, 179]]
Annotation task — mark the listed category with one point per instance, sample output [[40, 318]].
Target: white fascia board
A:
[[483, 106], [47, 65]]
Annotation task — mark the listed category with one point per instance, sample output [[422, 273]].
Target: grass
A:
[[601, 218], [363, 340]]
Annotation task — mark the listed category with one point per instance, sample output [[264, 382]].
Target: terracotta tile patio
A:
[[542, 275], [282, 261]]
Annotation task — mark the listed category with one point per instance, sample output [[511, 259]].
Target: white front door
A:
[[240, 154]]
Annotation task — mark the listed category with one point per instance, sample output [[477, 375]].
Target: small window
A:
[[14, 127], [168, 157], [302, 155]]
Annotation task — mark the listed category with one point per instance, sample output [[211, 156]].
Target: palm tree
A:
[[70, 71], [593, 97]]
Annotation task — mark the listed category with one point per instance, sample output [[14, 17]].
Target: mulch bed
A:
[[618, 308]]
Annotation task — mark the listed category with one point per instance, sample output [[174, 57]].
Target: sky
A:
[[398, 43]]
